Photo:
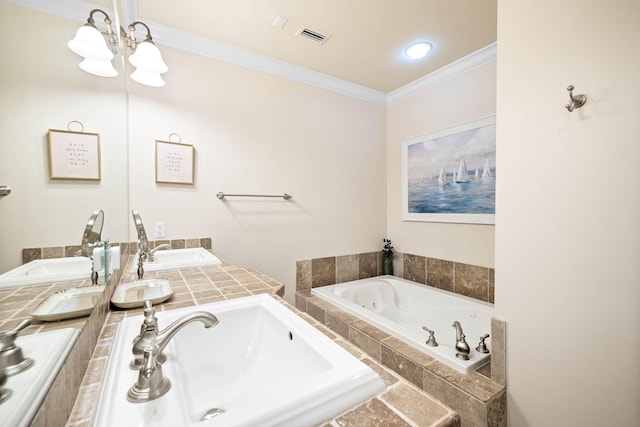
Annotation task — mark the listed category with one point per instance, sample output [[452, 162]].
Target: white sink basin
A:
[[47, 271], [28, 388], [261, 365], [171, 259]]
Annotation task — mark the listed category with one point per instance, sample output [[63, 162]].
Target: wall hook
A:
[[577, 101]]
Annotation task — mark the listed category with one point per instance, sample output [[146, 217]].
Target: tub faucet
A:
[[461, 345], [150, 335]]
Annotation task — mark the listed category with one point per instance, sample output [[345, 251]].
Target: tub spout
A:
[[150, 334], [462, 347]]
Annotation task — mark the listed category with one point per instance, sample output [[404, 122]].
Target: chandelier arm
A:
[[91, 21]]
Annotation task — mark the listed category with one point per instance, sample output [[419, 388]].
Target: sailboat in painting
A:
[[486, 170], [442, 177], [463, 175]]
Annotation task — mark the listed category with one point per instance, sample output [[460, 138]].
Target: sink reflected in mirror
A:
[[41, 271], [162, 257], [172, 259]]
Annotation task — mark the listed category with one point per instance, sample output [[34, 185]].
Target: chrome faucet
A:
[[148, 256], [151, 254], [461, 344], [151, 384], [12, 360], [150, 335]]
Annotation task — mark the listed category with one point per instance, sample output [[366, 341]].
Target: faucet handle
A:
[[148, 336], [151, 383], [12, 359], [149, 314], [482, 347], [431, 341]]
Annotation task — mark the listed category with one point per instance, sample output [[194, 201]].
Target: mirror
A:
[[61, 269], [43, 88], [42, 214], [92, 233]]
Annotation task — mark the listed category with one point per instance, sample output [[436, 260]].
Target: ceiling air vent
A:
[[312, 35]]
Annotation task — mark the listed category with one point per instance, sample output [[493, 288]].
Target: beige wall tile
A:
[[368, 265], [323, 271], [414, 268], [472, 281], [347, 268], [303, 275], [440, 274]]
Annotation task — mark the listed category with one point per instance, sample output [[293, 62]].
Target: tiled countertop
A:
[[16, 305], [400, 404]]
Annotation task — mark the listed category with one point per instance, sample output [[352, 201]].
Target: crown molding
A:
[[462, 65], [244, 58], [219, 51]]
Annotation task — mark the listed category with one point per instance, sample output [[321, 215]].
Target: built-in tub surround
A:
[[480, 397], [400, 404], [406, 310], [465, 279]]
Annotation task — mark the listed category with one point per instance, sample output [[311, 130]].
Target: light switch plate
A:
[[160, 229]]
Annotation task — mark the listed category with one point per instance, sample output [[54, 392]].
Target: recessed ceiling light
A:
[[418, 50]]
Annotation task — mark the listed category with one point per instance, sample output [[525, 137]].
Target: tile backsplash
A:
[[30, 254], [464, 279]]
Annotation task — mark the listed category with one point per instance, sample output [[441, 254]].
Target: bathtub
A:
[[401, 308]]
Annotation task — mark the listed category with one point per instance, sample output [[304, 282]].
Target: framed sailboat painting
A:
[[449, 175]]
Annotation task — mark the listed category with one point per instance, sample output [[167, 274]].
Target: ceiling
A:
[[367, 37]]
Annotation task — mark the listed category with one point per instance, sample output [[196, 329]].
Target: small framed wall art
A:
[[174, 162], [74, 155]]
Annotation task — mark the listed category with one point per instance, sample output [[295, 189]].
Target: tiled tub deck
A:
[[475, 397]]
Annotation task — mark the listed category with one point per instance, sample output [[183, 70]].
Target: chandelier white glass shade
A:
[[98, 67], [90, 43], [98, 50]]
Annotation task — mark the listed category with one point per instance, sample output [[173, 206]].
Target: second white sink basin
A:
[[51, 270], [48, 350], [261, 365], [171, 259]]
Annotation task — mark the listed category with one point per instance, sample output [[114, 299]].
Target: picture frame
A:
[[74, 155], [174, 163], [449, 175]]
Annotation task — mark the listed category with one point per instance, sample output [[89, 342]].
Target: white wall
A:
[[568, 211], [468, 96], [258, 134]]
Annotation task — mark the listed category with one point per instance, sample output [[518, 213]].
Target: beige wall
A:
[[259, 134], [568, 211], [468, 96]]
